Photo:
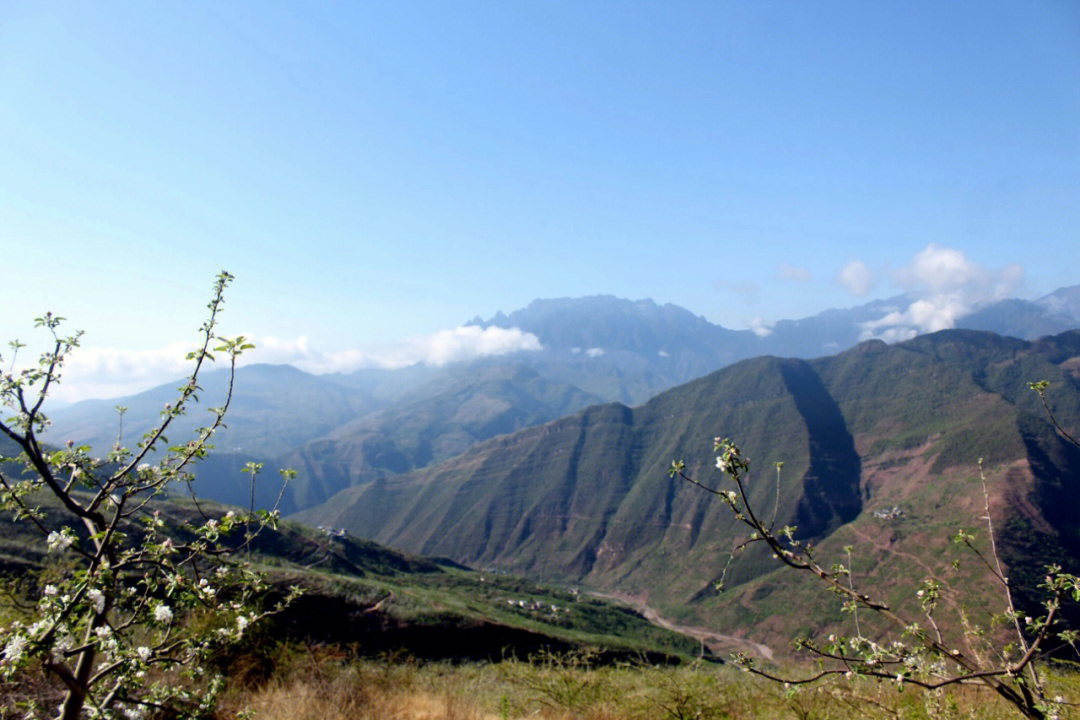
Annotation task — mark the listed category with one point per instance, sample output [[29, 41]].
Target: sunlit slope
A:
[[586, 499], [438, 420], [333, 435]]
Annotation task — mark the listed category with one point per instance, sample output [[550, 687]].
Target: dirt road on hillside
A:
[[719, 643]]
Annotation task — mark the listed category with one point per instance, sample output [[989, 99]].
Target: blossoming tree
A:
[[140, 601]]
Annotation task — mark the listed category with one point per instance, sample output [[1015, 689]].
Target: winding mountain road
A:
[[717, 643]]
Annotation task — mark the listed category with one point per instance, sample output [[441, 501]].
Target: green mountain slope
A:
[[580, 499], [437, 421], [586, 499], [332, 434], [340, 430], [360, 594]]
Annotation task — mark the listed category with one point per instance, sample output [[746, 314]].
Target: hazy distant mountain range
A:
[[630, 350], [345, 429]]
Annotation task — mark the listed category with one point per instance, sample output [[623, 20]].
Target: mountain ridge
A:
[[341, 430], [585, 500]]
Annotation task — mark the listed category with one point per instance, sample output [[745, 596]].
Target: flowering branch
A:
[[137, 596], [916, 656]]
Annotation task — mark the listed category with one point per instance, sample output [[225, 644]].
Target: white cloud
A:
[[856, 277], [941, 270], [945, 285], [594, 352], [299, 353], [663, 353], [470, 342], [786, 271], [109, 372], [106, 372], [759, 328]]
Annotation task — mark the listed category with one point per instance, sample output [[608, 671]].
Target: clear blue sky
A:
[[372, 171]]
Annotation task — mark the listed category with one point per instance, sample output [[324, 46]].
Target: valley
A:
[[511, 464]]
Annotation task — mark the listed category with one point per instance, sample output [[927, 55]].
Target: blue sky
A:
[[372, 172]]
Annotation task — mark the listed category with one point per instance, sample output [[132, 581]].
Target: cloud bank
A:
[[460, 344], [945, 285], [91, 372], [107, 372]]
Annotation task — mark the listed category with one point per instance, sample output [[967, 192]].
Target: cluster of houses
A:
[[537, 606], [889, 513]]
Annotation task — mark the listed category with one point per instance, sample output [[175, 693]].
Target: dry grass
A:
[[310, 684], [299, 700], [322, 688], [327, 684]]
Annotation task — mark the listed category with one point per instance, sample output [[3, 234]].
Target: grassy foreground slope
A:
[[586, 499], [375, 600]]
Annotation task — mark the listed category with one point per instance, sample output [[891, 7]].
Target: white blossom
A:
[[143, 652], [163, 614], [13, 651], [59, 541], [97, 599]]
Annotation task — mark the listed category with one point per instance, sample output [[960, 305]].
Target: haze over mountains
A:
[[551, 462], [344, 429]]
